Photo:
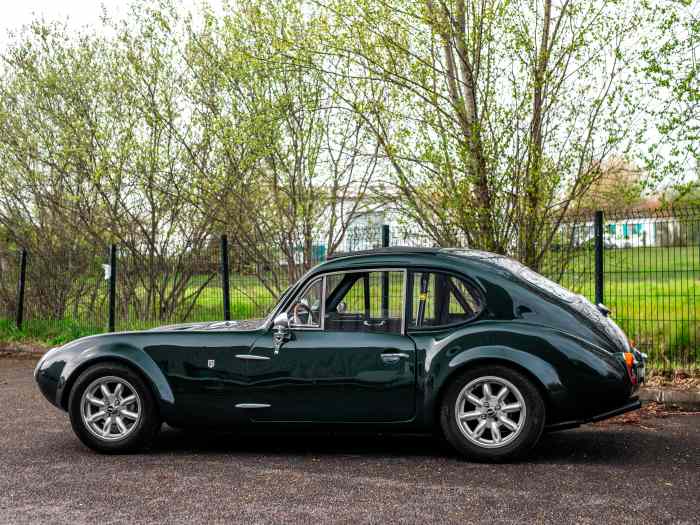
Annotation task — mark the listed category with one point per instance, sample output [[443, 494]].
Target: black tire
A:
[[524, 439], [144, 430]]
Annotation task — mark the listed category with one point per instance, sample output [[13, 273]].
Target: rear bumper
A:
[[633, 404]]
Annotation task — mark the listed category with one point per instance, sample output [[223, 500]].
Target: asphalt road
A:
[[646, 472]]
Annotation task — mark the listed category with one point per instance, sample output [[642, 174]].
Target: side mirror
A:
[[341, 307], [281, 333], [281, 321]]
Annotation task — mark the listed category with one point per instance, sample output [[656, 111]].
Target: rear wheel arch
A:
[[455, 374]]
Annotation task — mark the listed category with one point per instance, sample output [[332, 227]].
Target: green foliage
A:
[[494, 116], [45, 332], [669, 61]]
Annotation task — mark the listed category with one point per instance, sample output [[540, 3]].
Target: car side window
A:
[[305, 311], [440, 299], [369, 301], [352, 303]]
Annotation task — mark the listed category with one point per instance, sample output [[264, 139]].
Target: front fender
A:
[[120, 352]]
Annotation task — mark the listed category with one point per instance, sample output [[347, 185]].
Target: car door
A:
[[348, 358]]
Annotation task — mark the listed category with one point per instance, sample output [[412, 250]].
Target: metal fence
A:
[[644, 265]]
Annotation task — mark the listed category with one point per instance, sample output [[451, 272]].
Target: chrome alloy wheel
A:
[[490, 411], [110, 408]]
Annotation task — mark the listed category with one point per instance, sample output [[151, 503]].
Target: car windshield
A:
[[279, 300]]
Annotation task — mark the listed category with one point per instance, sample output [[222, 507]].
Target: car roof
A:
[[392, 250], [447, 258]]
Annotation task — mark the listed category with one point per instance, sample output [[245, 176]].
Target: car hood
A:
[[228, 326]]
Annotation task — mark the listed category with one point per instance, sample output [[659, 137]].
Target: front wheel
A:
[[112, 410], [492, 413]]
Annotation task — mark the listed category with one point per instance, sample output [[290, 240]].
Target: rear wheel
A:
[[492, 413], [112, 410]]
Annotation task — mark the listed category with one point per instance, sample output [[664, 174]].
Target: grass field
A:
[[654, 294]]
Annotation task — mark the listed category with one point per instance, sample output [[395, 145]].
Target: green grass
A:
[[53, 332], [654, 294]]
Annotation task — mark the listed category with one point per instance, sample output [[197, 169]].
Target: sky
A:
[[77, 13]]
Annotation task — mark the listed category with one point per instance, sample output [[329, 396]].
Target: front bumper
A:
[[47, 375]]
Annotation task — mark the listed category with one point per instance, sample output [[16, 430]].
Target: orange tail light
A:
[[629, 361]]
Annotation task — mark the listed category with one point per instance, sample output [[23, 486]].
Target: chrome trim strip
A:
[[252, 405], [252, 357]]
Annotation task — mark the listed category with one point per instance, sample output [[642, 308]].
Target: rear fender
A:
[[544, 375]]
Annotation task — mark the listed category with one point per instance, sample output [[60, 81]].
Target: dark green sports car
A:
[[400, 339]]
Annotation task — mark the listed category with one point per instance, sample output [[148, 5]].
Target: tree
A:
[[619, 185], [670, 61], [42, 136], [281, 137], [494, 116], [88, 159], [163, 130]]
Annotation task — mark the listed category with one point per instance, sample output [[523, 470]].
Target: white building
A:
[[634, 232]]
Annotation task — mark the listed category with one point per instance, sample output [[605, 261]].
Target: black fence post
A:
[[599, 246], [385, 235], [20, 288], [112, 288], [385, 275], [224, 278]]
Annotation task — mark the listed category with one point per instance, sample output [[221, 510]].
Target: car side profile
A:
[[468, 343]]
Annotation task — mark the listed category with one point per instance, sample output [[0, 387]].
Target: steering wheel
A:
[[299, 310]]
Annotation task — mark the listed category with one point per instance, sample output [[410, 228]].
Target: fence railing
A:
[[644, 265]]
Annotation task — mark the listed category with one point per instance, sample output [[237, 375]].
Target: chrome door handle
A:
[[252, 357], [394, 357], [374, 325]]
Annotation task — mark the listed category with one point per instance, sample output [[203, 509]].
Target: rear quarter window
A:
[[440, 299]]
